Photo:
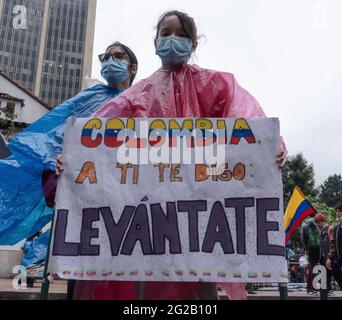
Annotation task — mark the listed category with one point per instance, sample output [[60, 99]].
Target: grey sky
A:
[[286, 53]]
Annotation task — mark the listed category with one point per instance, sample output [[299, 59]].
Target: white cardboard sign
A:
[[181, 221]]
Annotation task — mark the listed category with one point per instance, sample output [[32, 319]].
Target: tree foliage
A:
[[7, 122], [298, 172], [330, 192], [321, 207]]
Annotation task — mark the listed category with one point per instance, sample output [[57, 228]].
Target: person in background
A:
[[324, 232], [311, 241], [296, 271], [334, 261], [303, 262], [288, 251], [26, 246]]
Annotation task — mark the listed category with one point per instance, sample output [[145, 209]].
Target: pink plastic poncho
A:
[[189, 92]]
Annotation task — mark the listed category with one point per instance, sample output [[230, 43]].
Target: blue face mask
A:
[[114, 71], [174, 50]]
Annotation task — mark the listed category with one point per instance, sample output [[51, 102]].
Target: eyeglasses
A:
[[104, 57]]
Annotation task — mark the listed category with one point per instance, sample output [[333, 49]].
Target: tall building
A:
[[47, 45]]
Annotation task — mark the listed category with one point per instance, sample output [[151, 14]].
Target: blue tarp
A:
[[23, 210], [36, 251]]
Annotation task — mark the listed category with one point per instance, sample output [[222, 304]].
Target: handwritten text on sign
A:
[[170, 200]]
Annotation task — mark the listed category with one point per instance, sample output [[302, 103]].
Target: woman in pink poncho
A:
[[184, 91]]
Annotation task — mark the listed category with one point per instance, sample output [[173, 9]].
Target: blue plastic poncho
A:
[[23, 210]]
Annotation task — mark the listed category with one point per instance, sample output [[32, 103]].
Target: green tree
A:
[[330, 192], [329, 212], [7, 122], [320, 207], [298, 172]]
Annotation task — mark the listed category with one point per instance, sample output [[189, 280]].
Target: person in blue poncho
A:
[[23, 208]]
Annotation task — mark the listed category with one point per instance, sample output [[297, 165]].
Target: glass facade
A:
[[19, 48], [63, 58], [63, 49]]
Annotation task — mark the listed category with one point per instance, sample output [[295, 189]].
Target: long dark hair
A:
[[187, 22]]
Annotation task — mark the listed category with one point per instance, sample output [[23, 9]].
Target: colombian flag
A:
[[298, 209]]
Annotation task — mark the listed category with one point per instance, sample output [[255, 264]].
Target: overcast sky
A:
[[286, 53]]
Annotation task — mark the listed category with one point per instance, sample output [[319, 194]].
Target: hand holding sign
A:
[[59, 165]]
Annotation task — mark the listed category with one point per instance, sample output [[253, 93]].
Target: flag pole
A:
[[44, 292], [283, 290]]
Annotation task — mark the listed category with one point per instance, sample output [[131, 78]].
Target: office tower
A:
[[47, 45]]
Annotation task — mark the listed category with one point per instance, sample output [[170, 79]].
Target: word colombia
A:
[[175, 136], [198, 132], [151, 227]]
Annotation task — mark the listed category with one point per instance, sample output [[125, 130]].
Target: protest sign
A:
[[170, 200]]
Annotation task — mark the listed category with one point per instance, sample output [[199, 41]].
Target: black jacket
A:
[[335, 243]]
